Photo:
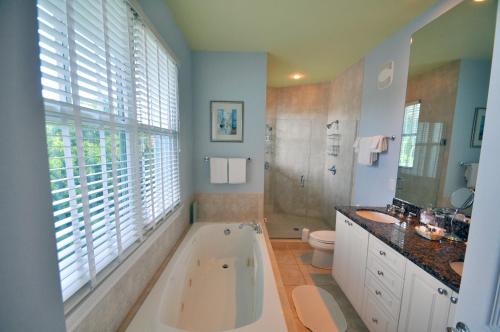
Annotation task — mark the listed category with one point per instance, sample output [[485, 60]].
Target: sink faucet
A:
[[255, 226]]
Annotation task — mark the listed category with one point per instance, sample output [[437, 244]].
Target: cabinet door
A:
[[376, 318], [426, 302], [453, 306], [341, 251], [358, 250]]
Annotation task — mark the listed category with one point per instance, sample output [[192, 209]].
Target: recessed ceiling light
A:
[[297, 76], [479, 0]]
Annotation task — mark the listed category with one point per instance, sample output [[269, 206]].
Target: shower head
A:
[[329, 125]]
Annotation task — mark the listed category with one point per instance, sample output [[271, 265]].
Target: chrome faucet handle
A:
[[402, 211], [410, 216]]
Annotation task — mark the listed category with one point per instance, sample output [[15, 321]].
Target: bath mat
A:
[[318, 310]]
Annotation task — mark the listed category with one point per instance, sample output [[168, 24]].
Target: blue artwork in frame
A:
[[478, 127], [226, 121]]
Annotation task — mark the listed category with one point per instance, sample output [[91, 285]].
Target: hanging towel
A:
[[471, 175], [237, 170], [378, 143], [362, 146], [368, 148], [218, 170]]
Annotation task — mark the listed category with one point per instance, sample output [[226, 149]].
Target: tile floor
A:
[[287, 226], [294, 263]]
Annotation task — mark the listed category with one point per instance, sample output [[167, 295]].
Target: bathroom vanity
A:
[[395, 279]]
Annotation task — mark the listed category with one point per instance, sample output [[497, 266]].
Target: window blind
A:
[[409, 135], [110, 97]]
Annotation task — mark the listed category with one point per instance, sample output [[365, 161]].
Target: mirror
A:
[[447, 90], [462, 198]]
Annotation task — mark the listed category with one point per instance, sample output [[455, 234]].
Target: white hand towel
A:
[[365, 155], [471, 175], [218, 170], [237, 170], [378, 143], [368, 148]]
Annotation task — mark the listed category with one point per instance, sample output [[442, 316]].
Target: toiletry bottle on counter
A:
[[427, 217]]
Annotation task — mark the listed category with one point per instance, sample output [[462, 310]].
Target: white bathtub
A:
[[215, 282]]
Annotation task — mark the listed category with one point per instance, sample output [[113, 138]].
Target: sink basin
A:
[[458, 267], [377, 216]]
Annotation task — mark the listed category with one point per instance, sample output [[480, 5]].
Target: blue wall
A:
[[160, 16], [30, 291], [472, 92], [382, 110], [229, 76]]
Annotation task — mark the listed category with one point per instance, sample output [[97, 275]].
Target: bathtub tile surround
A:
[[230, 207], [107, 307], [294, 262]]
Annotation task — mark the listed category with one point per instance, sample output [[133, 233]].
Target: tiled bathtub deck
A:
[[294, 262]]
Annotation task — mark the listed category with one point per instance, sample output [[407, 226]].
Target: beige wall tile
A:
[[112, 309], [230, 207]]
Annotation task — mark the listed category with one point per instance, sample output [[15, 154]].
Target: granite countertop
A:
[[432, 256]]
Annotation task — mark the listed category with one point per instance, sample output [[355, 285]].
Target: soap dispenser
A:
[[427, 216]]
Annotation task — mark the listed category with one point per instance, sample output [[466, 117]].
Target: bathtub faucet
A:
[[255, 226]]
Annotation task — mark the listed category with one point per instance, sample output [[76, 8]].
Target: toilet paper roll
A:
[[305, 234]]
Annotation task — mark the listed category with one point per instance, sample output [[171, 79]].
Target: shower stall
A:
[[308, 171]]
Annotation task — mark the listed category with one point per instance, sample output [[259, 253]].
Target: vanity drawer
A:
[[385, 275], [389, 256], [382, 295], [375, 317]]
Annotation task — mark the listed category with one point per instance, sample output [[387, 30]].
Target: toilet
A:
[[323, 243]]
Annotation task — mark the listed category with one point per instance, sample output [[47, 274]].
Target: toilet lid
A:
[[323, 236]]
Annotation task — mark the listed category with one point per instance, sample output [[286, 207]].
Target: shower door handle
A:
[[302, 181]]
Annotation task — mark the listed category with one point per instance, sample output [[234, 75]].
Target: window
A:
[[409, 135], [110, 97]]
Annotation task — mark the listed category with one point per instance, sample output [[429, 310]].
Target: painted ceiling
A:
[[318, 38]]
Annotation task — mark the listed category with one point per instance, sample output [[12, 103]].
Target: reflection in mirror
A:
[[446, 97]]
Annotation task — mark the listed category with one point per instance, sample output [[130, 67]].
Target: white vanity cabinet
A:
[[383, 287], [349, 263], [388, 291], [426, 302]]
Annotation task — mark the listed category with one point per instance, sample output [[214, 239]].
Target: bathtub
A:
[[219, 279]]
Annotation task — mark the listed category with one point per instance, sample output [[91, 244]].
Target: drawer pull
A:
[[380, 273], [454, 299], [382, 253], [442, 291], [378, 292], [375, 320]]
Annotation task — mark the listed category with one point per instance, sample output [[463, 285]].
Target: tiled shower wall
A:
[[303, 111]]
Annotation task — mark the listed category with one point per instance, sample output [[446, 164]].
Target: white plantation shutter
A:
[[156, 93], [111, 115]]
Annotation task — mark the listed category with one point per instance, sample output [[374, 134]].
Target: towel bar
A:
[[207, 159]]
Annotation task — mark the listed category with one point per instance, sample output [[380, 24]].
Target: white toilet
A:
[[323, 243]]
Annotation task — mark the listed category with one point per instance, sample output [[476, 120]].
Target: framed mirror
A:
[[447, 90]]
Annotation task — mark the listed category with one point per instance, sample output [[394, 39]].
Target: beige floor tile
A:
[[279, 245], [291, 275], [285, 257]]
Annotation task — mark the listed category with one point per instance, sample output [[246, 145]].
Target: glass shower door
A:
[[286, 213]]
